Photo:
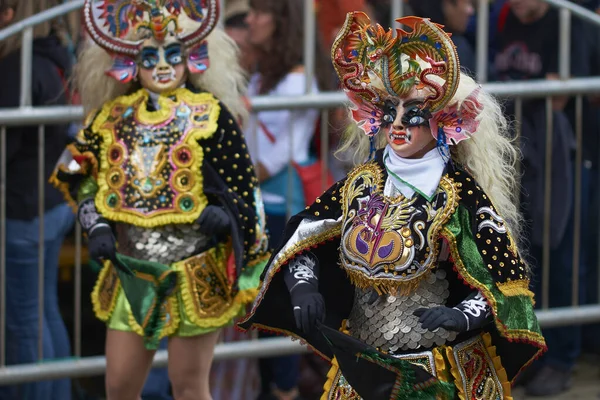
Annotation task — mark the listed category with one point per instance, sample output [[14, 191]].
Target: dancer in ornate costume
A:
[[406, 274], [164, 187]]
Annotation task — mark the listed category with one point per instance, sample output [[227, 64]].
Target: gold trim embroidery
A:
[[105, 292], [372, 177], [178, 213], [513, 334]]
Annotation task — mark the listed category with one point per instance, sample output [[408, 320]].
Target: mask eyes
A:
[[173, 54], [149, 57], [415, 117], [389, 112]]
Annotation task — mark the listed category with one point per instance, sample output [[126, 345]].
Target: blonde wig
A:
[[490, 155], [224, 78]]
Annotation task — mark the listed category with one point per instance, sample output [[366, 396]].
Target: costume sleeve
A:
[[476, 310], [486, 258], [226, 155], [302, 270], [315, 231], [77, 168]]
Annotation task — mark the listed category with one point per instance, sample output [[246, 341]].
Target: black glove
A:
[[214, 221], [102, 244], [442, 317], [309, 307], [301, 280]]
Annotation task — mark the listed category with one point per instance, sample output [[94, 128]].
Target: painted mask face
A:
[[162, 65], [409, 135]]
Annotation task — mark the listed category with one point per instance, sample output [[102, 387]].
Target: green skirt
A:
[[203, 300]]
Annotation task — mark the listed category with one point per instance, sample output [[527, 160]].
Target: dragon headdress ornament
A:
[[110, 23], [374, 65]]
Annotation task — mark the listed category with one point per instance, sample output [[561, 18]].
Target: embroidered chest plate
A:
[[390, 243], [150, 161]]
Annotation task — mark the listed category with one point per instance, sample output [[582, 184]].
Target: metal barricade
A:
[[42, 116]]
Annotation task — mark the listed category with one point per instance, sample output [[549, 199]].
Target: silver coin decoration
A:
[[389, 323], [165, 245]]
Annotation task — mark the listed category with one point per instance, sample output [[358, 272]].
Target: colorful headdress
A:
[[374, 65], [110, 21]]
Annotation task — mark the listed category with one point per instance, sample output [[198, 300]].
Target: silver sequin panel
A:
[[164, 244], [387, 322]]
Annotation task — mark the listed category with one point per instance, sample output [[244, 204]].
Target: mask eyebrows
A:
[[412, 102], [149, 51]]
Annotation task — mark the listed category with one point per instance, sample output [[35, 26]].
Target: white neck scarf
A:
[[411, 175], [154, 97]]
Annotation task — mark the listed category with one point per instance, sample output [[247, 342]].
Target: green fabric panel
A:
[[119, 319], [87, 189], [142, 294], [515, 312], [250, 277]]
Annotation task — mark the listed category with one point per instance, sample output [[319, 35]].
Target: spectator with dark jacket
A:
[[527, 41], [50, 66]]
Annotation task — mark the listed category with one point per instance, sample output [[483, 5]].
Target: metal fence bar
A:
[[93, 366], [310, 40], [518, 127], [77, 297], [564, 43], [272, 347], [37, 19], [290, 177], [577, 10], [324, 148], [481, 53], [547, 204], [528, 89], [578, 199], [3, 246], [26, 59], [396, 12], [41, 209]]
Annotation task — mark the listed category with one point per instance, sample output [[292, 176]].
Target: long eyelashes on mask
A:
[[389, 113], [415, 117]]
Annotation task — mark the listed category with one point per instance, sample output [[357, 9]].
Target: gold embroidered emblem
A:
[[391, 243]]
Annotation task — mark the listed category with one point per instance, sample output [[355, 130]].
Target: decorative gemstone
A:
[[184, 156], [162, 199], [459, 121], [115, 154], [112, 200], [458, 129], [147, 187], [438, 45], [186, 204], [423, 38], [372, 120], [114, 178]]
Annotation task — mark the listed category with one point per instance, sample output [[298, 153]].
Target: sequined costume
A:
[[377, 256], [150, 164]]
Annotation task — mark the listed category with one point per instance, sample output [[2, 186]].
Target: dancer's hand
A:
[[309, 307], [214, 221], [442, 317], [102, 244]]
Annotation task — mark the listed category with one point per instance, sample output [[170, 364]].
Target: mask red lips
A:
[[400, 137]]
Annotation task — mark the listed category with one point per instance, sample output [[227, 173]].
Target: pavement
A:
[[586, 383]]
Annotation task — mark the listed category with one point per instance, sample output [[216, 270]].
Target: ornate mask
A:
[[161, 45], [374, 66]]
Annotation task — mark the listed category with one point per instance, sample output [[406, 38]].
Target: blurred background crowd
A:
[[523, 46]]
